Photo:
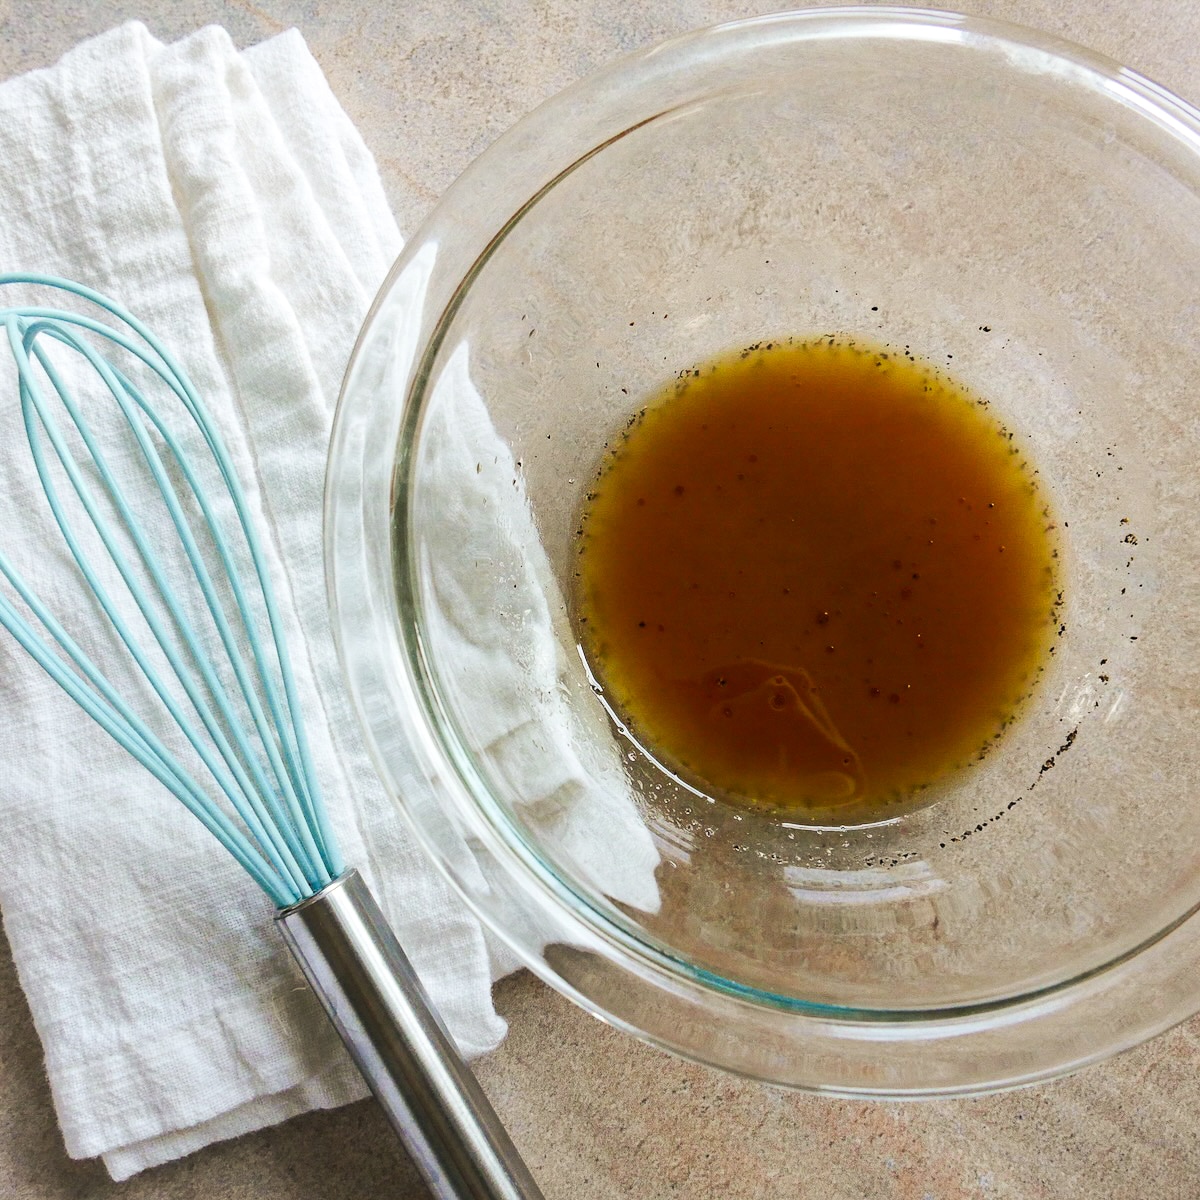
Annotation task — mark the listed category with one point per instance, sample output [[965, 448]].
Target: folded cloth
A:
[[227, 200]]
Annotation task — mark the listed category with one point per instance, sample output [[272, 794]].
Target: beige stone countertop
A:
[[430, 83]]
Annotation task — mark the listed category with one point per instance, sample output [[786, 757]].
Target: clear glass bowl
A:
[[1011, 208]]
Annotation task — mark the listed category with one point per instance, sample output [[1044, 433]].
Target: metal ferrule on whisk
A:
[[370, 992]]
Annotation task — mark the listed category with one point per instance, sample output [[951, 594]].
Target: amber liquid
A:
[[816, 577]]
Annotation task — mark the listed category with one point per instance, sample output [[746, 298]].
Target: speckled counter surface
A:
[[430, 83]]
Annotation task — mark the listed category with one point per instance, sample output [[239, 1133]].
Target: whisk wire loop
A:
[[292, 836], [164, 367], [238, 757], [290, 851], [290, 724]]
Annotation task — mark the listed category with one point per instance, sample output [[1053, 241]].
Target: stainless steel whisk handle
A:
[[370, 992]]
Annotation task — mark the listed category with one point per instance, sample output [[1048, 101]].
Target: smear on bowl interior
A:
[[816, 576]]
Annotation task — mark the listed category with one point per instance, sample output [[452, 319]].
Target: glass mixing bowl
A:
[[1013, 209]]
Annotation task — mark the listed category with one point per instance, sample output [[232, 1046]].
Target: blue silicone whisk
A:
[[151, 511]]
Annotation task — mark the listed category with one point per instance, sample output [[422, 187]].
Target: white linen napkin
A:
[[225, 199]]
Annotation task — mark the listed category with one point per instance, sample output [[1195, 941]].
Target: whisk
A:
[[151, 510]]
